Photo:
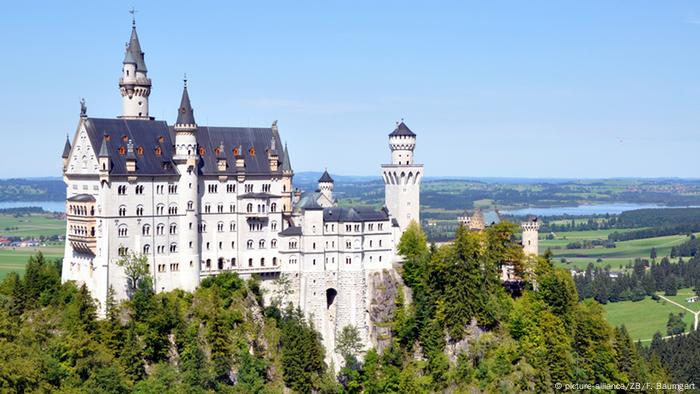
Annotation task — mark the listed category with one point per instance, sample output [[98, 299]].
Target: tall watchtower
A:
[[531, 232], [402, 177]]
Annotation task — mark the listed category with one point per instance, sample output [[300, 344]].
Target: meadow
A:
[[13, 259], [643, 319], [617, 258]]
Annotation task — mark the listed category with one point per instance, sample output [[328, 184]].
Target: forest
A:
[[460, 330]]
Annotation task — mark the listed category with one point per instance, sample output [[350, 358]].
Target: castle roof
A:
[[82, 198], [66, 149], [133, 54], [402, 130], [286, 164], [354, 214], [110, 138], [326, 178], [291, 230], [185, 114]]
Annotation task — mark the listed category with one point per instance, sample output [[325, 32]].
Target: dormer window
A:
[[108, 137], [252, 151], [217, 151], [158, 151], [122, 150], [139, 150], [235, 151], [161, 139], [202, 151], [125, 138]]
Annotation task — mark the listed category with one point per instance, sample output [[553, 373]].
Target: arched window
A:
[[189, 205], [273, 226], [173, 228], [158, 151], [220, 226], [262, 244], [146, 248], [274, 261], [262, 261], [139, 210], [146, 230], [273, 243], [249, 208], [250, 244], [123, 231], [122, 210], [250, 262], [273, 207], [232, 226]]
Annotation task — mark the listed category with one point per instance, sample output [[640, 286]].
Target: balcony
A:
[[83, 243]]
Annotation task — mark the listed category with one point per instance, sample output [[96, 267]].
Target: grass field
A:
[[624, 253], [681, 297], [14, 260], [31, 226], [644, 318]]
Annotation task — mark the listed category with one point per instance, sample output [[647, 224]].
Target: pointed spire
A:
[[185, 115], [134, 55], [326, 177], [104, 152], [66, 148], [402, 130], [130, 150], [286, 164]]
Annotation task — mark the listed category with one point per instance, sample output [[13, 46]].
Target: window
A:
[[249, 208], [348, 260], [139, 210], [159, 209], [173, 247], [273, 244], [220, 227], [379, 226], [380, 243], [348, 227], [250, 262], [232, 226], [159, 229], [292, 260], [213, 188], [233, 261], [293, 244], [207, 208], [122, 210], [139, 189], [174, 267], [203, 228], [273, 226], [232, 208], [146, 230], [123, 251], [146, 248], [173, 228], [348, 245], [274, 261], [261, 244], [266, 188], [248, 188], [250, 244], [122, 231], [370, 227], [189, 205], [207, 245], [262, 261], [231, 188], [172, 189], [220, 208], [357, 228]]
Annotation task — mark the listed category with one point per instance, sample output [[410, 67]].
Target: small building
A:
[[692, 299]]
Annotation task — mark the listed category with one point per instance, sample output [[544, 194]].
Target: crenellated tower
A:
[[531, 231], [402, 177], [325, 187], [134, 84], [186, 159]]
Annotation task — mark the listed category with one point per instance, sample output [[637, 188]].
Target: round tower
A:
[[531, 232], [186, 159], [325, 185], [134, 84], [402, 177]]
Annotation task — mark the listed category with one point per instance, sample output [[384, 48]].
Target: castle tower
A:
[[325, 186], [402, 177], [186, 159], [134, 84], [287, 176], [531, 229]]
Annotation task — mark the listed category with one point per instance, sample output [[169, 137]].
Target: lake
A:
[[581, 210], [52, 206]]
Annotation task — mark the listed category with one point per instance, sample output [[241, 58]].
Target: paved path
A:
[[687, 309]]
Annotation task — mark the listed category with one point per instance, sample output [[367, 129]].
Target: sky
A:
[[537, 89]]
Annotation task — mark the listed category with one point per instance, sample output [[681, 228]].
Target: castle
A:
[[201, 200]]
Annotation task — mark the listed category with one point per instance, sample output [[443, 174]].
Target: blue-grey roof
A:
[[354, 214], [311, 205], [82, 198], [185, 114], [143, 133], [292, 230], [257, 138], [326, 177], [134, 55], [402, 130], [286, 163], [491, 216], [66, 149], [104, 152], [259, 195]]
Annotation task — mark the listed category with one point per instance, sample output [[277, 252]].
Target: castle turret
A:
[[186, 160], [402, 177], [66, 153], [134, 84], [325, 186], [531, 229]]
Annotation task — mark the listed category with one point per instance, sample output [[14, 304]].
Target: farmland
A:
[[39, 227], [644, 318]]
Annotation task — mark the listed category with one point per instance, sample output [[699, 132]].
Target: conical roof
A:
[[326, 177], [104, 152], [185, 115], [133, 54], [402, 130], [66, 148], [286, 164]]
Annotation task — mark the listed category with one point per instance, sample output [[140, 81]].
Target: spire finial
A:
[[83, 108], [184, 79], [133, 11]]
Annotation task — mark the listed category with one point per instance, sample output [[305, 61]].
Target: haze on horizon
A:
[[506, 89]]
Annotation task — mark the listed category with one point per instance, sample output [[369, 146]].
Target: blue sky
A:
[[492, 88]]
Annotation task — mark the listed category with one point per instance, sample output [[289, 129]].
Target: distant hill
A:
[[33, 189]]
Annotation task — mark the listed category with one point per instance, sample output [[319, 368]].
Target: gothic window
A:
[[123, 231], [158, 151], [159, 229], [139, 150], [122, 210], [122, 150], [146, 230], [139, 210], [250, 244], [220, 208], [252, 151], [173, 228], [273, 207], [146, 248], [262, 244]]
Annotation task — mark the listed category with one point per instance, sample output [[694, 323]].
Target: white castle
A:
[[201, 200]]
